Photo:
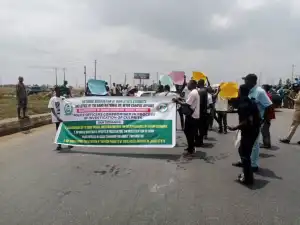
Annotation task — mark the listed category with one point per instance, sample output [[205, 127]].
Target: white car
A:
[[145, 93]]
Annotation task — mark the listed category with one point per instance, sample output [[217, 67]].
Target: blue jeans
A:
[[255, 152]]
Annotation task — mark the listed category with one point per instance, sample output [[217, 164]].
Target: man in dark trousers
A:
[[203, 113], [249, 125], [191, 120], [21, 95]]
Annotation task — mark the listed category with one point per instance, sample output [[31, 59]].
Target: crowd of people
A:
[[201, 106]]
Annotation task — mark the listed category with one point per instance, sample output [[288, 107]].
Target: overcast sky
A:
[[225, 39]]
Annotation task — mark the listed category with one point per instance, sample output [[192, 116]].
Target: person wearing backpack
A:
[[249, 125], [264, 105]]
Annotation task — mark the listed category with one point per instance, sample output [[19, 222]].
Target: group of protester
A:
[[198, 110], [253, 109]]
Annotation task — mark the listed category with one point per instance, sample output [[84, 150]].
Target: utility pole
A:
[[64, 69], [125, 79], [95, 69], [293, 71], [84, 72], [109, 81], [56, 76], [259, 79], [157, 77]]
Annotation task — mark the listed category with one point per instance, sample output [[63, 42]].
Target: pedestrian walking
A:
[[249, 126], [22, 99], [264, 104], [265, 129], [296, 117], [191, 109]]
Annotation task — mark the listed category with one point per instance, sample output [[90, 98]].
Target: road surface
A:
[[39, 186]]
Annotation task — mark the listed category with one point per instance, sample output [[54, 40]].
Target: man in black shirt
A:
[[249, 126], [203, 113]]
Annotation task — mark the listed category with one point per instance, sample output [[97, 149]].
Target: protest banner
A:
[[167, 80], [198, 76], [229, 90], [118, 122], [177, 77]]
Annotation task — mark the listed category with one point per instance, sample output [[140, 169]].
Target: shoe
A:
[[284, 141], [238, 164], [187, 154], [187, 150], [242, 180], [225, 132], [298, 142], [58, 148], [205, 137], [220, 131], [255, 169], [70, 147]]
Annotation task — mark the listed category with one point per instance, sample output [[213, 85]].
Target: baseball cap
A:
[[251, 77]]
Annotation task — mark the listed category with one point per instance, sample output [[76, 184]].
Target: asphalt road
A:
[[39, 186]]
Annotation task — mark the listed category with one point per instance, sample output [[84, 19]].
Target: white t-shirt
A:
[[221, 104], [209, 101], [55, 103], [193, 100]]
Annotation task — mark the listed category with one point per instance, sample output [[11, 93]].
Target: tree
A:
[[288, 82]]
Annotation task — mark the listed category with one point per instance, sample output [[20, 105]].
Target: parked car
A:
[[34, 90], [145, 93]]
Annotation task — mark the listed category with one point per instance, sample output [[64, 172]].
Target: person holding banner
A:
[[54, 106], [191, 109]]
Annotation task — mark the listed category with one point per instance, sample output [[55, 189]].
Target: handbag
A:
[[187, 110]]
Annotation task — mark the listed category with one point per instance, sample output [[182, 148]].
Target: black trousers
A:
[[57, 125], [190, 131], [202, 128], [222, 120], [245, 150]]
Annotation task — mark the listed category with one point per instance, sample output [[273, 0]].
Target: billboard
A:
[[142, 76]]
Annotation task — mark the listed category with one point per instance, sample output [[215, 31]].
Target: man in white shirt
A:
[[191, 121], [221, 109], [54, 105]]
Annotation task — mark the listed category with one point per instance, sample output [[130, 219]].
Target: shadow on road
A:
[[264, 172], [259, 184], [274, 148], [127, 155], [265, 155], [211, 139]]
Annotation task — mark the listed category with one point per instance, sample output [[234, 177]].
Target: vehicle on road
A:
[[145, 93], [33, 90]]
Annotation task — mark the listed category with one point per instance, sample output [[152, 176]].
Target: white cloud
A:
[[225, 39]]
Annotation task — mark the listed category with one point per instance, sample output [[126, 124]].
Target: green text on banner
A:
[[118, 122]]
